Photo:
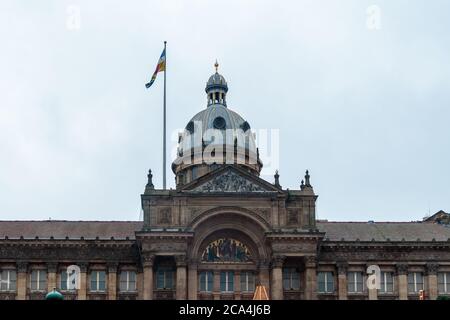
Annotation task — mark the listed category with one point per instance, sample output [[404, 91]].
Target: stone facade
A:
[[221, 232]]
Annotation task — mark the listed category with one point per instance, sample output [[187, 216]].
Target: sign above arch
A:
[[226, 250]]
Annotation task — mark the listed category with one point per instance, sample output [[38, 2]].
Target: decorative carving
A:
[[194, 212], [342, 267], [52, 267], [22, 266], [148, 260], [263, 212], [311, 261], [226, 250], [229, 182], [277, 261], [112, 267], [180, 260], [432, 268], [83, 266], [402, 268], [165, 216]]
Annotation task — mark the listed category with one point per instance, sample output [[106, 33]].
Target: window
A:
[[325, 282], [355, 282], [206, 281], [38, 280], [127, 281], [164, 278], [444, 282], [387, 282], [8, 280], [227, 281], [415, 282], [247, 281], [98, 281], [291, 279]]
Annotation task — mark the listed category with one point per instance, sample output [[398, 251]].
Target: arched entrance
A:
[[230, 256]]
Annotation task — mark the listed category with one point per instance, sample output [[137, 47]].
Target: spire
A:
[[216, 65], [277, 179]]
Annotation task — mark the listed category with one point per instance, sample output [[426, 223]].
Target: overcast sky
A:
[[360, 95]]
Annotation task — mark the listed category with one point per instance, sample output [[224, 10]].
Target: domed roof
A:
[[216, 117], [54, 295], [216, 81]]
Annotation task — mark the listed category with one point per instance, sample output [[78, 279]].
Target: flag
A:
[[161, 66]]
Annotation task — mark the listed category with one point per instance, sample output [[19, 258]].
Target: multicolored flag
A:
[[161, 66]]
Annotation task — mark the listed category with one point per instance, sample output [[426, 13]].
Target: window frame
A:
[[40, 273], [415, 283], [229, 281], [327, 275], [354, 286], [208, 277], [446, 282], [165, 271], [384, 283], [97, 281], [127, 281], [290, 272], [8, 280], [249, 286]]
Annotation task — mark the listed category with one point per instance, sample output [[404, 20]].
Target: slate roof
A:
[[73, 229], [334, 231], [384, 231]]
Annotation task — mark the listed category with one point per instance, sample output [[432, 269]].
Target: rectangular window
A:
[[291, 279], [227, 281], [325, 282], [444, 282], [387, 282], [38, 280], [206, 281], [98, 281], [127, 281], [164, 279], [247, 281], [415, 282], [8, 280], [355, 282]]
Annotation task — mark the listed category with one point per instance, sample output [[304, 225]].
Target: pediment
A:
[[230, 180]]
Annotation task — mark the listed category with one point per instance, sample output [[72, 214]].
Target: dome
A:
[[216, 81], [54, 295]]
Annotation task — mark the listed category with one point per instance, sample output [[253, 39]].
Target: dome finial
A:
[[216, 65]]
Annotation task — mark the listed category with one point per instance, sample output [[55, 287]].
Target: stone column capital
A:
[[22, 266], [278, 260], [83, 266], [148, 260], [52, 267], [192, 263], [310, 261], [342, 267], [263, 264], [112, 266], [432, 268], [402, 268], [181, 260]]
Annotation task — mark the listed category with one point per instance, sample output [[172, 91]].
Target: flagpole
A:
[[164, 124]]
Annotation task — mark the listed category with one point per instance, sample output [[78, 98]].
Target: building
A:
[[222, 231]]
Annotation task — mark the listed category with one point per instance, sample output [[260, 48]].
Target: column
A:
[[342, 280], [264, 274], [402, 280], [277, 278], [82, 290], [147, 265], [311, 278], [22, 268], [192, 280], [139, 283], [237, 285], [216, 285], [51, 276], [432, 292], [181, 277], [112, 280]]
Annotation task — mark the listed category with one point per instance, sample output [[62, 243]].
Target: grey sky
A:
[[366, 111]]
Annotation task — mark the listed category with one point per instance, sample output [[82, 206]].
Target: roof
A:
[[59, 229], [384, 231]]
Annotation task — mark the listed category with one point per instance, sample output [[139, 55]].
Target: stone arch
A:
[[235, 224], [251, 215]]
